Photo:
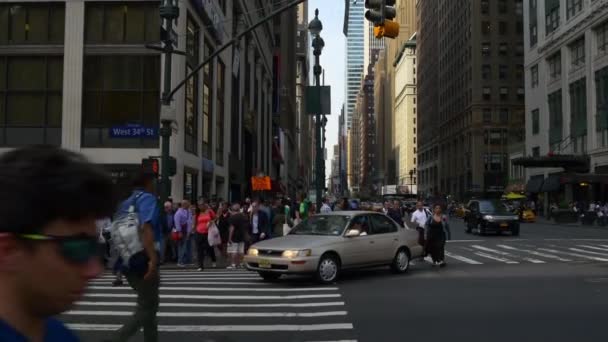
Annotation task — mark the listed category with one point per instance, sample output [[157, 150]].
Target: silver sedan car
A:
[[325, 244]]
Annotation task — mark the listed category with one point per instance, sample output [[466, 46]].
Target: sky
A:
[[331, 14]]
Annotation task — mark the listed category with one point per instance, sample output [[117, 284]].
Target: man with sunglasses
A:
[[47, 256]]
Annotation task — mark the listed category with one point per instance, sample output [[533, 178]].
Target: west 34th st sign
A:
[[133, 131]]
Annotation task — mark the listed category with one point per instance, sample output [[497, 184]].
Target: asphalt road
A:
[[548, 284]]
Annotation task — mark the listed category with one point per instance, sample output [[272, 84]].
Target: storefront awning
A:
[[552, 183], [534, 185]]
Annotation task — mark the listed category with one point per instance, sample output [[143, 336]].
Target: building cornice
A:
[[597, 13]]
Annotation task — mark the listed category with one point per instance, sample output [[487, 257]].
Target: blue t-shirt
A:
[[147, 210], [55, 332]]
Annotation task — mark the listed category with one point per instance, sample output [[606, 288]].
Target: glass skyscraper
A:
[[354, 56]]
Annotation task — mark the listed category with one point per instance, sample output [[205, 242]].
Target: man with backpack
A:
[[140, 263]]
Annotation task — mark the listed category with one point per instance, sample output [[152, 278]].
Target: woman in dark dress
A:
[[437, 232]]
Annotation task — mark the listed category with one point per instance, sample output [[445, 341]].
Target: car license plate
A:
[[264, 264], [504, 225]]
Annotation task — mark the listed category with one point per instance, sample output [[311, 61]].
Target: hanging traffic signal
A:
[[382, 13]]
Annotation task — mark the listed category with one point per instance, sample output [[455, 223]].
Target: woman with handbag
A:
[[204, 219]]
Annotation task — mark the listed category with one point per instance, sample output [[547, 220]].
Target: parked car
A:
[[490, 216], [324, 245]]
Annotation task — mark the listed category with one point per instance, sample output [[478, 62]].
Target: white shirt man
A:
[[325, 208], [420, 216]]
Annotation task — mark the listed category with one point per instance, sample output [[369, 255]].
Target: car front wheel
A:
[[401, 262], [328, 269]]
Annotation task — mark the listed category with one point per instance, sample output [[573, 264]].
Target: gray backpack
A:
[[125, 232]]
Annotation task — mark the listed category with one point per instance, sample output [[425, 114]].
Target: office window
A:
[[191, 89], [521, 93], [601, 102], [535, 121], [519, 7], [534, 76], [503, 49], [485, 6], [551, 15], [221, 87], [554, 63], [486, 49], [519, 49], [487, 115], [486, 27], [207, 152], [32, 23], [122, 23], [487, 93], [555, 117], [503, 28], [504, 93], [577, 53], [486, 71], [190, 185], [578, 108], [30, 100], [573, 7], [120, 90], [536, 151], [601, 34], [503, 116], [502, 6], [503, 72], [533, 23]]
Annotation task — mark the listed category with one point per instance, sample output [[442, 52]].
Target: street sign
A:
[[261, 183], [318, 100], [134, 131]]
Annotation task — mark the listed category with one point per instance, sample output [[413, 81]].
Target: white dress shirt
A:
[[419, 217]]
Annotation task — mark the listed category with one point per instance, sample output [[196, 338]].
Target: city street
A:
[[549, 284]]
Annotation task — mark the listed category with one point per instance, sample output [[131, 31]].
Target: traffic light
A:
[[382, 13], [150, 166]]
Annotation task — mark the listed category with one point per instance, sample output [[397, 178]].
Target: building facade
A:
[[82, 70], [476, 108], [354, 30], [406, 116], [370, 43], [566, 63]]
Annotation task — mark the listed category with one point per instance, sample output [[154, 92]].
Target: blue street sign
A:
[[134, 131]]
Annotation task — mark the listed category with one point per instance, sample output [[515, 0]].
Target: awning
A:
[[534, 185], [552, 183]]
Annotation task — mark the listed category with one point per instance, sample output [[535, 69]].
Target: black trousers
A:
[[435, 246], [203, 248]]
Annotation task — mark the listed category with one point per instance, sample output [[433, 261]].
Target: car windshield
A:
[[492, 207], [321, 225]]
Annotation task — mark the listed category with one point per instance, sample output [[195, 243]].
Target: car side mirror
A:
[[353, 233]]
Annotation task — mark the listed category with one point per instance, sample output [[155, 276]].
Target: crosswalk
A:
[[514, 252], [220, 305]]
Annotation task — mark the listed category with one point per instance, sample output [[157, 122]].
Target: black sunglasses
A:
[[77, 249]]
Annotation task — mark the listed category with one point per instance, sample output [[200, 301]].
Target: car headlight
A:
[[488, 217], [252, 252], [296, 253]]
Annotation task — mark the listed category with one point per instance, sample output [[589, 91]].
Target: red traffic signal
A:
[[151, 166]]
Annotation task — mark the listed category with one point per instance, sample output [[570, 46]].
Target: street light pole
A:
[[315, 27], [169, 11]]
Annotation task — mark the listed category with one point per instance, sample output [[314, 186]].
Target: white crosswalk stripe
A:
[[220, 302], [534, 261], [528, 251]]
